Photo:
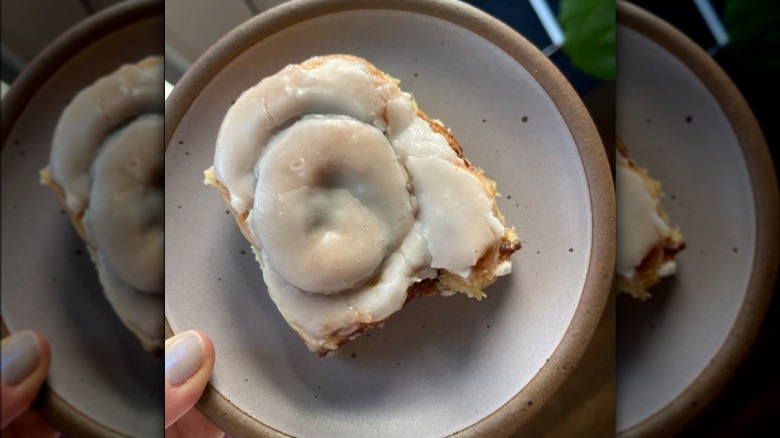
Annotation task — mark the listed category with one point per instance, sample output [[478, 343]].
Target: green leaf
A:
[[754, 32], [589, 28]]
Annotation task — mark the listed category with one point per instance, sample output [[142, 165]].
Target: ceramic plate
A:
[[683, 119], [101, 382], [441, 365]]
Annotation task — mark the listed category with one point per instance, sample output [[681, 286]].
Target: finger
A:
[[25, 363], [189, 359], [193, 424], [29, 424]]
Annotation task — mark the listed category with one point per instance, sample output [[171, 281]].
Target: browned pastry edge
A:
[[646, 275], [75, 218]]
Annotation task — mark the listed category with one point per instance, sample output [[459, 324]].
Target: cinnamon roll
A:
[[646, 241], [354, 201], [106, 167]]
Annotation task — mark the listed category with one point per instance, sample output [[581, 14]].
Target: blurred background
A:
[[26, 30], [100, 378], [743, 36]]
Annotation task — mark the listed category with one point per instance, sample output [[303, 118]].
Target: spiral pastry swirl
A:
[[353, 200], [106, 165]]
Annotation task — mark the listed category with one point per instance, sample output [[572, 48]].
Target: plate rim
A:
[[702, 390], [596, 289], [52, 406]]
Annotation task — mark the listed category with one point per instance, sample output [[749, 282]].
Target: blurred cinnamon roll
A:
[[106, 167], [646, 242]]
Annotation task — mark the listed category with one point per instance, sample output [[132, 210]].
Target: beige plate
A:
[[442, 365], [683, 118], [101, 382]]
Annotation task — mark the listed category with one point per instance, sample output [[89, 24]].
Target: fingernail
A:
[[21, 354], [183, 357]]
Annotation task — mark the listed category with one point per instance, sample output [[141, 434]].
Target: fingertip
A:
[[25, 363], [208, 345], [186, 354], [26, 355], [43, 346], [189, 360]]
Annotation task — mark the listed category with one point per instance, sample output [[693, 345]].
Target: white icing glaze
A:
[[331, 201], [333, 87], [455, 212], [107, 156], [317, 317], [639, 226], [124, 219], [92, 115], [417, 139], [352, 197]]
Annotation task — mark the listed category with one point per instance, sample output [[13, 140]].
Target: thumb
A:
[[25, 363], [189, 359]]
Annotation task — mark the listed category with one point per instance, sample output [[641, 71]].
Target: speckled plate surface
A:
[[442, 365], [101, 382], [682, 118]]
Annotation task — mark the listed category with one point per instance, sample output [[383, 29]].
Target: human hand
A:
[[25, 363], [189, 360]]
